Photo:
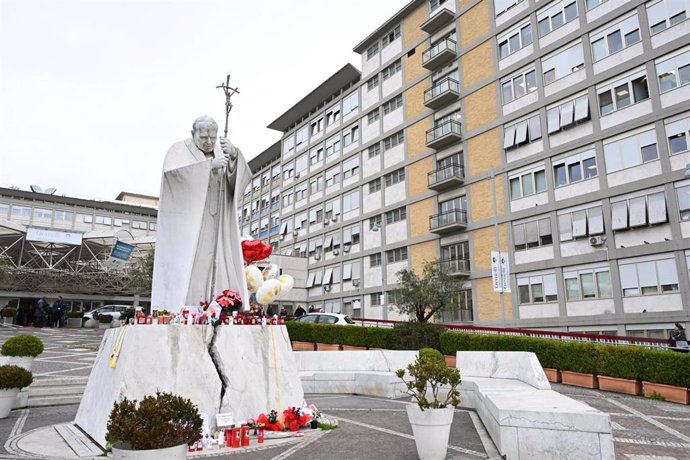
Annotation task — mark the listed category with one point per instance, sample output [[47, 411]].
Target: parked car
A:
[[113, 310], [325, 318]]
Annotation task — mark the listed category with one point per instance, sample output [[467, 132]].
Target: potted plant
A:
[[434, 388], [22, 349], [104, 321], [75, 318], [12, 379], [159, 427], [8, 315], [164, 317]]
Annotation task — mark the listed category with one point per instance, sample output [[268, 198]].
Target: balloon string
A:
[[118, 345]]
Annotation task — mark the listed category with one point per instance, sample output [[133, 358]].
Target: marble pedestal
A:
[[256, 364]]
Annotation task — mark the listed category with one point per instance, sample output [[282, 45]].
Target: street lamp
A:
[[687, 170], [378, 227]]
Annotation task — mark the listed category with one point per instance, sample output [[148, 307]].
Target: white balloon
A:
[[271, 271], [268, 292], [254, 277], [287, 281]]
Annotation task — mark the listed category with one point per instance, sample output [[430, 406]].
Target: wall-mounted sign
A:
[[122, 251], [53, 236]]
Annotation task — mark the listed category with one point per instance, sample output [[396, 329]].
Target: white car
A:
[[112, 310], [325, 318]]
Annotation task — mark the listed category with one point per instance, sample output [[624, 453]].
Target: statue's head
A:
[[204, 133]]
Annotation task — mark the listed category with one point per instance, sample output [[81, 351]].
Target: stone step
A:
[[58, 381], [43, 401], [62, 390]]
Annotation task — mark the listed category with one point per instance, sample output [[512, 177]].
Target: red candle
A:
[[245, 435], [261, 434]]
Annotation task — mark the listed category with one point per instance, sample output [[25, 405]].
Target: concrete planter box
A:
[[450, 360], [626, 386], [170, 453], [671, 393], [303, 346], [74, 322], [554, 375], [327, 347], [353, 348], [579, 380]]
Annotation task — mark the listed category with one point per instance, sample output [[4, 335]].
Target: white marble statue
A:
[[197, 220]]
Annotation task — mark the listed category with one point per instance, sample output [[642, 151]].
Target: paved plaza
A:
[[369, 428]]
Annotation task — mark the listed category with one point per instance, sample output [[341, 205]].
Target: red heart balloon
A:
[[255, 250]]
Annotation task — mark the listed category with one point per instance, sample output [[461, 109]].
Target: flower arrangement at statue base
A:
[[293, 418]]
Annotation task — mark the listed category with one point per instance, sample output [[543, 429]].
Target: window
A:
[[458, 203], [622, 93], [65, 216], [48, 214], [527, 183], [588, 284], [376, 298], [594, 3], [395, 177], [351, 201], [350, 237], [638, 211], [256, 183], [350, 103], [333, 145], [457, 256], [352, 270], [537, 289], [316, 155], [390, 37], [275, 171], [556, 15], [350, 135], [666, 13], [373, 50], [567, 114], [288, 145], [518, 85], [302, 135], [351, 167], [674, 72], [563, 64], [316, 126], [394, 140], [275, 200], [85, 218], [630, 151], [522, 132], [315, 277], [375, 260], [393, 104], [265, 179], [332, 115], [316, 184], [332, 240], [515, 40], [375, 185], [287, 198], [316, 215], [575, 168], [391, 70], [396, 215], [648, 277], [461, 310], [501, 6], [683, 194], [375, 222], [288, 170], [573, 224], [396, 255], [374, 150], [332, 208], [615, 38], [373, 83], [373, 116], [677, 133], [301, 164], [301, 221], [301, 191], [533, 234]]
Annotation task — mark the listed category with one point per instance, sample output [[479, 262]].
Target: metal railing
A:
[[438, 48], [451, 171], [442, 86], [456, 216], [443, 129]]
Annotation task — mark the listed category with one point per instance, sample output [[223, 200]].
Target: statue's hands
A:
[[219, 162], [231, 153]]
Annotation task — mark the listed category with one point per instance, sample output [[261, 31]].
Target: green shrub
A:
[[430, 354], [412, 335], [427, 374], [14, 377], [328, 333], [161, 421], [667, 367], [380, 337], [623, 362], [299, 331], [22, 345], [8, 312], [355, 336]]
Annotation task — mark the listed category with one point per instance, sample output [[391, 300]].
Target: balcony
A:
[[439, 54], [437, 20], [444, 134], [446, 177], [442, 93], [449, 221], [457, 267]]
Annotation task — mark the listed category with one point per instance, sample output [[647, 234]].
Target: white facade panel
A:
[[569, 135], [638, 236], [626, 114], [559, 33], [395, 193], [511, 13], [677, 96], [520, 103], [393, 119], [525, 151], [547, 310], [394, 156], [370, 131], [392, 84], [533, 255], [679, 30], [603, 9], [636, 173], [590, 307], [565, 82], [370, 166], [680, 160], [578, 247], [577, 189], [372, 201], [516, 57], [370, 66], [392, 50], [653, 303], [370, 239], [396, 232], [529, 202], [621, 57]]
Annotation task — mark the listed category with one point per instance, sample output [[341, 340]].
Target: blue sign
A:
[[122, 251]]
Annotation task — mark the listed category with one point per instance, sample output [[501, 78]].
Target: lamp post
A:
[[378, 227]]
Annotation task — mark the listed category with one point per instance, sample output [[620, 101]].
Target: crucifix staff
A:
[[229, 92]]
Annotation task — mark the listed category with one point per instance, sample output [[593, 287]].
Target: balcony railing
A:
[[459, 267], [437, 19], [448, 221], [448, 176], [444, 134], [442, 93], [439, 54]]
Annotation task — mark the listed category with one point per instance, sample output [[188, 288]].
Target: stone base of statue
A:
[[243, 370]]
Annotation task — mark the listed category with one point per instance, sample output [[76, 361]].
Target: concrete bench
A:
[[369, 372], [525, 418]]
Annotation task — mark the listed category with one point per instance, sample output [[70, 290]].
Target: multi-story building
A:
[[552, 132]]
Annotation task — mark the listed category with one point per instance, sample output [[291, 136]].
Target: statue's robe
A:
[[197, 218]]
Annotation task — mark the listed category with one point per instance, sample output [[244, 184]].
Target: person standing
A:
[[57, 311], [40, 312], [300, 312], [678, 338]]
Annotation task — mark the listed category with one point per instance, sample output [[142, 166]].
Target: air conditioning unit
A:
[[327, 288], [597, 240], [346, 248], [336, 252], [355, 283], [317, 256], [282, 237], [326, 222], [297, 175], [334, 218], [295, 233]]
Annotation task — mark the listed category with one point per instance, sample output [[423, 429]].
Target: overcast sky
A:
[[93, 93]]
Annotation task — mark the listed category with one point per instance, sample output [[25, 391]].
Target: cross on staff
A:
[[228, 104]]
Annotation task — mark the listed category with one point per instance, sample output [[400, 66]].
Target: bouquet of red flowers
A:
[[229, 298], [270, 421], [295, 418]]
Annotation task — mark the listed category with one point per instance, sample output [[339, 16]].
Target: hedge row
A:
[[627, 362]]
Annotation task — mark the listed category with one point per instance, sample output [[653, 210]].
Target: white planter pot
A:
[[8, 319], [91, 324], [170, 453], [22, 361], [74, 322], [431, 429], [7, 398]]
